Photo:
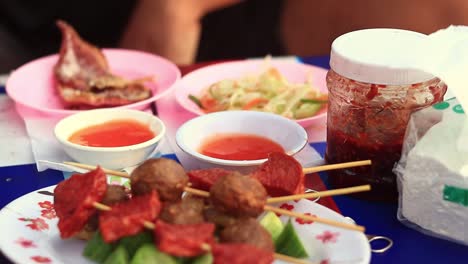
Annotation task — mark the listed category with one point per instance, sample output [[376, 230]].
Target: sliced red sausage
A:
[[281, 175], [74, 199], [127, 218], [205, 178], [238, 253], [184, 240]]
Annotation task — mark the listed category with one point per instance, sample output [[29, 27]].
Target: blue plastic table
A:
[[410, 246]]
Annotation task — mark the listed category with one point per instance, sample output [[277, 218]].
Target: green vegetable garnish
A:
[[289, 243], [313, 101], [203, 259], [148, 254], [96, 249], [133, 243], [272, 223], [118, 256], [195, 100]]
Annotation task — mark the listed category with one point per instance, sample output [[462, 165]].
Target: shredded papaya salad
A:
[[269, 91]]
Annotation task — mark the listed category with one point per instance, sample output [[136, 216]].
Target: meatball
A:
[[218, 218], [164, 175], [88, 230], [113, 195], [189, 210], [238, 195], [248, 231]]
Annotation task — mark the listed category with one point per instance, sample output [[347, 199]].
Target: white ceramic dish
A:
[[109, 157], [30, 235], [195, 82], [287, 133]]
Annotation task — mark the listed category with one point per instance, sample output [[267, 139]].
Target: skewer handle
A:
[[91, 167], [315, 219], [197, 192], [361, 188], [336, 166], [101, 207], [291, 259]]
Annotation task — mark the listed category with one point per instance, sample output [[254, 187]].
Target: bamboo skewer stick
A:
[[92, 167], [336, 166], [314, 218], [341, 191], [290, 259], [206, 247], [197, 192], [269, 200], [266, 207], [104, 207], [305, 170], [101, 206], [125, 175]]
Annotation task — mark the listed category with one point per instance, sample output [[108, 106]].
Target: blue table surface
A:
[[410, 246]]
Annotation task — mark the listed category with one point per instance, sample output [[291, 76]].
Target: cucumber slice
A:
[[183, 260], [203, 259], [289, 243], [307, 110], [96, 249], [272, 223], [133, 243], [148, 254], [118, 256]]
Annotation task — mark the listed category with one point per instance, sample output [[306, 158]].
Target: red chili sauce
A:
[[114, 133], [379, 174], [239, 147]]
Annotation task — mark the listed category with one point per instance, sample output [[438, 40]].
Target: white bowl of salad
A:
[[291, 89]]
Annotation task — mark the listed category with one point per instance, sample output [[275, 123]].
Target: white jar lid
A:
[[379, 56]]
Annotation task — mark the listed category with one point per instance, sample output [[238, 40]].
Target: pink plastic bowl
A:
[[32, 86]]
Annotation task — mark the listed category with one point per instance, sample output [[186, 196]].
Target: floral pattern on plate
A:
[[30, 234]]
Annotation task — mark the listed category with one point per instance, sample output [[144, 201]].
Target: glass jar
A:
[[368, 112]]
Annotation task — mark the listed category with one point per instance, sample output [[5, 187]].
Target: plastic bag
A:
[[432, 174]]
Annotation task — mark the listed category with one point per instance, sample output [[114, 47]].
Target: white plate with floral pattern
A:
[[29, 234]]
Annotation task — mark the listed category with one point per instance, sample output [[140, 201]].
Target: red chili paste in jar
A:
[[367, 121], [374, 87]]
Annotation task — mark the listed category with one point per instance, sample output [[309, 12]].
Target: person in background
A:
[[188, 31], [169, 28], [172, 28], [309, 27]]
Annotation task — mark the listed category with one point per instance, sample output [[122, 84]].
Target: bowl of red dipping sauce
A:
[[239, 140], [113, 138]]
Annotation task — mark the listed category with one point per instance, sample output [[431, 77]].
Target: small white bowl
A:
[[109, 157], [287, 133]]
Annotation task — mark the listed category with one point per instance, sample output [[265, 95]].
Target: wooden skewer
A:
[[197, 192], [125, 175], [305, 170], [360, 188], [206, 194], [337, 166], [314, 218], [266, 208], [104, 207], [92, 167], [206, 247], [290, 259]]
